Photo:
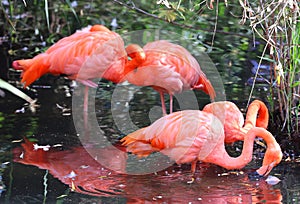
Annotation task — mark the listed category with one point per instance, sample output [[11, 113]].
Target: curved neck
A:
[[137, 55], [256, 108], [228, 162]]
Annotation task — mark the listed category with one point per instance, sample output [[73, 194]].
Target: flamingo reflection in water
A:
[[77, 168], [166, 186]]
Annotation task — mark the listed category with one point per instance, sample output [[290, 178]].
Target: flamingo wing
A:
[[156, 75], [87, 55], [107, 61], [89, 52], [181, 135], [177, 57]]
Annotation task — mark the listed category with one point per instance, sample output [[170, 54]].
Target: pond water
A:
[[78, 167], [69, 172]]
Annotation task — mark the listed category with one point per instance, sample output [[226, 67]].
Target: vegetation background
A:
[[231, 32]]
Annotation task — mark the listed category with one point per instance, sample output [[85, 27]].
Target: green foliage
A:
[[190, 20], [1, 119], [222, 29], [277, 23], [172, 11]]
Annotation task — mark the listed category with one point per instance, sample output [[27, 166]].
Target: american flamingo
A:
[[168, 68], [93, 52], [191, 135], [235, 127]]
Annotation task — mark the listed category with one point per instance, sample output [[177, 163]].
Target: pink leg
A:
[[85, 108], [163, 106], [171, 103], [193, 167], [193, 170], [86, 99]]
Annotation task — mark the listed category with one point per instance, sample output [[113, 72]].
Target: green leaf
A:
[[181, 14], [297, 83], [167, 14], [171, 16]]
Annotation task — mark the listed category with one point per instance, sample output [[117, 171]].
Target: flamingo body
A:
[[230, 116], [180, 135], [170, 68], [191, 135], [92, 52]]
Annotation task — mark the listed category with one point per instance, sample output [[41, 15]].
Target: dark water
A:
[[71, 173], [83, 167]]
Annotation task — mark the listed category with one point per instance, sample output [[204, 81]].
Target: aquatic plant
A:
[[277, 23]]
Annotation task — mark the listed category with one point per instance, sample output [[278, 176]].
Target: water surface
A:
[[69, 174]]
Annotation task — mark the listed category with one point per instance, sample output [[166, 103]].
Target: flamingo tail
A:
[[137, 144], [32, 69], [205, 85]]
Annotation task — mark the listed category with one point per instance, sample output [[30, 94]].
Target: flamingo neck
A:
[[228, 162], [246, 156], [137, 58], [256, 108]]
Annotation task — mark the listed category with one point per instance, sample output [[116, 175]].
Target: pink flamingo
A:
[[191, 135], [168, 68], [93, 52]]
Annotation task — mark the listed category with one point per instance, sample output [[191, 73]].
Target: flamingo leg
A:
[[193, 170], [171, 103], [85, 109], [86, 99], [193, 167], [163, 105]]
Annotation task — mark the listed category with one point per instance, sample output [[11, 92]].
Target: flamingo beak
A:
[[266, 169], [261, 172]]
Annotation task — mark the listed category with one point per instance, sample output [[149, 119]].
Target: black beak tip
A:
[[254, 176]]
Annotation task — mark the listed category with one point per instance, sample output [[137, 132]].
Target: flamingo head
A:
[[99, 28], [16, 65], [272, 157], [137, 55], [134, 51]]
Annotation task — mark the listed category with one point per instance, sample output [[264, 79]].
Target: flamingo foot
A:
[[193, 169], [191, 181]]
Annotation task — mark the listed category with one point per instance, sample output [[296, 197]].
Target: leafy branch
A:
[[173, 22]]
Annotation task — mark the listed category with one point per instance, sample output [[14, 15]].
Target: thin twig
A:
[[175, 23], [256, 74], [216, 23]]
